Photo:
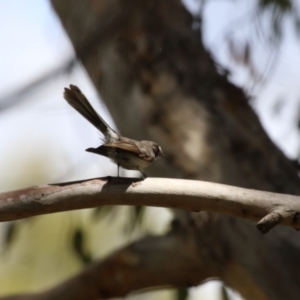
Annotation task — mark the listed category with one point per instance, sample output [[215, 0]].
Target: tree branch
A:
[[270, 209], [141, 265]]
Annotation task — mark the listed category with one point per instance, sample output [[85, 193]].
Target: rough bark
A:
[[147, 62]]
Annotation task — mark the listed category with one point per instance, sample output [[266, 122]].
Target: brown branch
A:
[[268, 208], [169, 260]]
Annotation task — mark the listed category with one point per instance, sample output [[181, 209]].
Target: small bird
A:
[[127, 153]]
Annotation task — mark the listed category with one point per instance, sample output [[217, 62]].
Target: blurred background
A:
[[42, 139]]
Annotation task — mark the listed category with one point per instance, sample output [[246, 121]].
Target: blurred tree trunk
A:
[[158, 81]]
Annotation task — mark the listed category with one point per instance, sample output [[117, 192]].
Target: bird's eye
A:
[[155, 149]]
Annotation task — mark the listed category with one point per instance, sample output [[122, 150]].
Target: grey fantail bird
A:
[[127, 153]]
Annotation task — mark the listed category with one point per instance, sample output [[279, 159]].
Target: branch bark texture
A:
[[268, 208]]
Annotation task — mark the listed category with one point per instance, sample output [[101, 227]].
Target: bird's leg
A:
[[144, 175], [118, 170]]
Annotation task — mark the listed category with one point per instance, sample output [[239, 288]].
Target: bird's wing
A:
[[132, 147], [127, 146]]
